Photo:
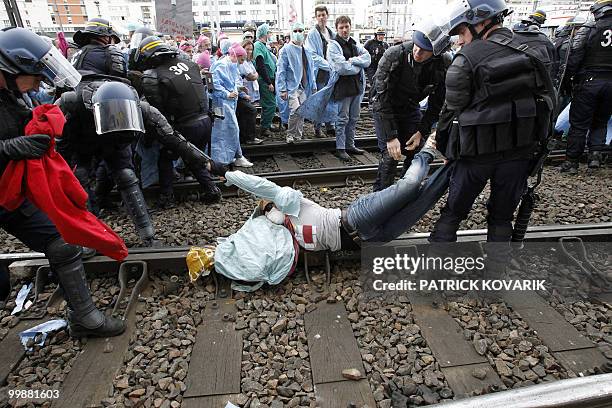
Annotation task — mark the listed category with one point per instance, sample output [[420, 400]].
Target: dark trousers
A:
[[246, 114], [387, 167], [590, 112], [32, 227], [198, 133], [508, 183]]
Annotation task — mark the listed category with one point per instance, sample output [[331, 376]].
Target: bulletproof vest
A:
[[182, 90], [14, 115], [541, 44], [412, 82], [599, 48], [505, 112], [100, 59]]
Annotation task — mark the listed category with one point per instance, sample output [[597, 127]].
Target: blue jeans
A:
[[384, 215], [348, 114]]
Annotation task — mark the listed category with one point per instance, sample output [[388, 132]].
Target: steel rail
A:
[[303, 147], [594, 391]]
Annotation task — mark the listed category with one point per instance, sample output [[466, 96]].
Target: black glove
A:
[[25, 147]]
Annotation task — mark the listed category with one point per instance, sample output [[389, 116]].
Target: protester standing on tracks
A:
[[407, 74], [317, 42], [265, 63], [528, 32], [246, 112], [376, 47], [175, 87], [349, 60], [25, 61], [496, 114], [589, 67], [295, 79]]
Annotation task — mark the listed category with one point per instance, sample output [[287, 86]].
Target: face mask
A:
[[275, 216], [297, 37]]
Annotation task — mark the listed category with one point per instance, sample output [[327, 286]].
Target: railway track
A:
[[214, 375]]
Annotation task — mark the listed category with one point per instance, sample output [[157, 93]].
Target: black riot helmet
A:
[[116, 108], [471, 12], [95, 27], [24, 52], [139, 35], [151, 50], [601, 8], [538, 17]]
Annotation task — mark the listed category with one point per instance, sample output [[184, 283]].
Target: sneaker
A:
[[242, 162], [290, 139], [255, 141], [342, 155], [355, 150], [569, 166]]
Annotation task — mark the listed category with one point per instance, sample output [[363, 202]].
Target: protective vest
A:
[[599, 48], [506, 112], [100, 59], [544, 48], [179, 88]]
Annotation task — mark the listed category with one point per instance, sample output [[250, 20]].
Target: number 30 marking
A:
[[608, 40], [179, 68]]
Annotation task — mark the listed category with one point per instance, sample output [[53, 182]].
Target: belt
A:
[[348, 229]]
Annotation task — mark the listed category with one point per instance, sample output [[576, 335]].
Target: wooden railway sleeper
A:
[[42, 278], [128, 270]]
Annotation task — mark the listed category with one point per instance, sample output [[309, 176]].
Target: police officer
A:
[[501, 113], [376, 47], [25, 60], [528, 32], [407, 74], [175, 87], [563, 36], [590, 67], [104, 117], [97, 52]]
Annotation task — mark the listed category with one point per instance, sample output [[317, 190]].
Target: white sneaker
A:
[[242, 162], [290, 139]]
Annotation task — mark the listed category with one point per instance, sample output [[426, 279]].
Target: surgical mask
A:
[[297, 37], [276, 216]]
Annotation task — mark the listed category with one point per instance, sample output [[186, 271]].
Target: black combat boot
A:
[[166, 201], [595, 160], [136, 206], [84, 319]]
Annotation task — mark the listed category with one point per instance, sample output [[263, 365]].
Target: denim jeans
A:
[[384, 215], [348, 114]]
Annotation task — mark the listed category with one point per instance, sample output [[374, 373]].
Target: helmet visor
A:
[[136, 39], [439, 40], [452, 16], [59, 70], [116, 115]]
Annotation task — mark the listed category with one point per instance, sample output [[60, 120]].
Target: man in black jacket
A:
[[528, 32], [376, 47], [25, 60], [589, 67], [407, 74], [497, 113]]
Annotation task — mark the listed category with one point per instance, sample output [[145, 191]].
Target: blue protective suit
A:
[[563, 124], [225, 138], [314, 44], [289, 70]]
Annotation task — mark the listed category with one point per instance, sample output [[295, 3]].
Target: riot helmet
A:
[[23, 52], [429, 36], [472, 12], [601, 8], [116, 108], [380, 31], [95, 27], [139, 35], [538, 17], [150, 49], [249, 26]]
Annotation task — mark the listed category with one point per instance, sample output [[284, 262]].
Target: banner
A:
[[174, 17]]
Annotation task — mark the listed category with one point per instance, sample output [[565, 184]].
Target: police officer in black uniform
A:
[[590, 68], [97, 52], [563, 35], [501, 113], [407, 74], [528, 32], [104, 117], [175, 87], [25, 60], [376, 47]]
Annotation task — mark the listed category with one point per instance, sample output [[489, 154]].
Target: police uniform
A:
[[398, 87], [493, 94], [376, 49], [94, 56], [590, 67], [530, 35], [175, 87]]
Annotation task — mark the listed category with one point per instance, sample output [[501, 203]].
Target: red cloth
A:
[[51, 186]]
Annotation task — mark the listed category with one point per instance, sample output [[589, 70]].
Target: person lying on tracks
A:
[[266, 247]]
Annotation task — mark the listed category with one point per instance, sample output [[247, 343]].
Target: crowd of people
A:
[[189, 106]]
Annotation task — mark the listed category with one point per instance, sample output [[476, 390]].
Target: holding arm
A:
[[338, 62], [435, 101], [363, 60]]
